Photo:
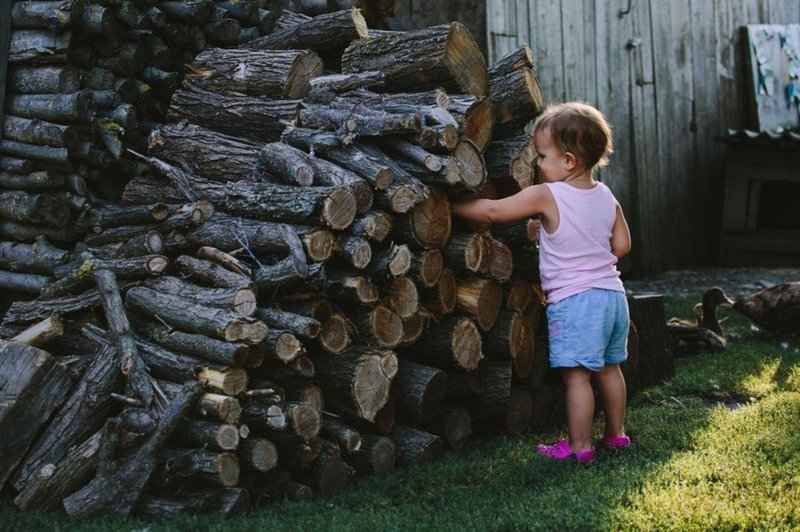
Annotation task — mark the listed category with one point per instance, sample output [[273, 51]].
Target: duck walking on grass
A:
[[775, 309], [705, 334]]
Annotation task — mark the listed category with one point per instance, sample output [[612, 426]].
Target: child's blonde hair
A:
[[578, 128]]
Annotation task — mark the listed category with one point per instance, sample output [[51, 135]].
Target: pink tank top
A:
[[577, 255]]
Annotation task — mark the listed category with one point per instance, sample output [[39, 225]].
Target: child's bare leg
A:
[[580, 407], [613, 393]]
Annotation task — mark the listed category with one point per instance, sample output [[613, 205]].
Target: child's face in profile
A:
[[552, 161]]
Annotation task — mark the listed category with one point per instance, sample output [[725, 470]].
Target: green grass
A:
[[716, 447]]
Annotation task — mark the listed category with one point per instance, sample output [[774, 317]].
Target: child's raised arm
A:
[[526, 203]]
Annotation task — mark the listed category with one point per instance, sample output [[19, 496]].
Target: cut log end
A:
[[298, 81], [339, 209], [387, 327], [431, 267], [371, 387], [334, 336], [466, 344], [231, 382], [465, 61], [244, 302], [431, 221]]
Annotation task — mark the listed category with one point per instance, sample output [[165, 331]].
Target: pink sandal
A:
[[562, 451], [614, 442]]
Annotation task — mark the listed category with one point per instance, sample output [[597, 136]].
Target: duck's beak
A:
[[727, 302]]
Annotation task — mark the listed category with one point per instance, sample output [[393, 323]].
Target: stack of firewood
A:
[[280, 299]]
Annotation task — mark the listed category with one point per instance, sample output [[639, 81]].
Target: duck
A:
[[705, 333], [775, 309]]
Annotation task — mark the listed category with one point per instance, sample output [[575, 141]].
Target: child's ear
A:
[[570, 161]]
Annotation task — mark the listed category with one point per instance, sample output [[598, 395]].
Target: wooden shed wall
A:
[[670, 76]]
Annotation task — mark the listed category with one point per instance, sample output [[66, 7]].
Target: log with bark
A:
[[440, 56], [240, 299], [414, 446], [417, 391], [453, 342], [80, 274], [267, 73], [517, 99], [481, 299]]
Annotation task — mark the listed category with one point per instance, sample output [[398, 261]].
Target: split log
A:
[[452, 424], [240, 299], [226, 502], [414, 326], [417, 391], [326, 34], [481, 299], [338, 83], [376, 455], [56, 481], [205, 153], [264, 73], [355, 381], [440, 56], [77, 275], [333, 206], [257, 119], [413, 446], [455, 341], [189, 317], [41, 332], [35, 383]]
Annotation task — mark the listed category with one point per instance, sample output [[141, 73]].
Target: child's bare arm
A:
[[524, 204], [620, 235]]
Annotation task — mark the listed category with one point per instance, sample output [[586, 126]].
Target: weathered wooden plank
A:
[[545, 27], [5, 43]]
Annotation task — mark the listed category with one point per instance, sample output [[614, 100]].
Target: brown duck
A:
[[705, 333], [775, 309]]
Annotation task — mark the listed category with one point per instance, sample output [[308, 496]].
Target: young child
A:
[[584, 233]]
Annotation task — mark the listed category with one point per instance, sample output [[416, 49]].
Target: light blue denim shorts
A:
[[589, 329]]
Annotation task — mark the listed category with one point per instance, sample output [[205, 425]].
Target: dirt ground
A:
[[736, 282]]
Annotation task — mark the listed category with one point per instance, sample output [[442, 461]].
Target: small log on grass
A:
[[376, 455], [452, 424], [414, 446], [225, 502]]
